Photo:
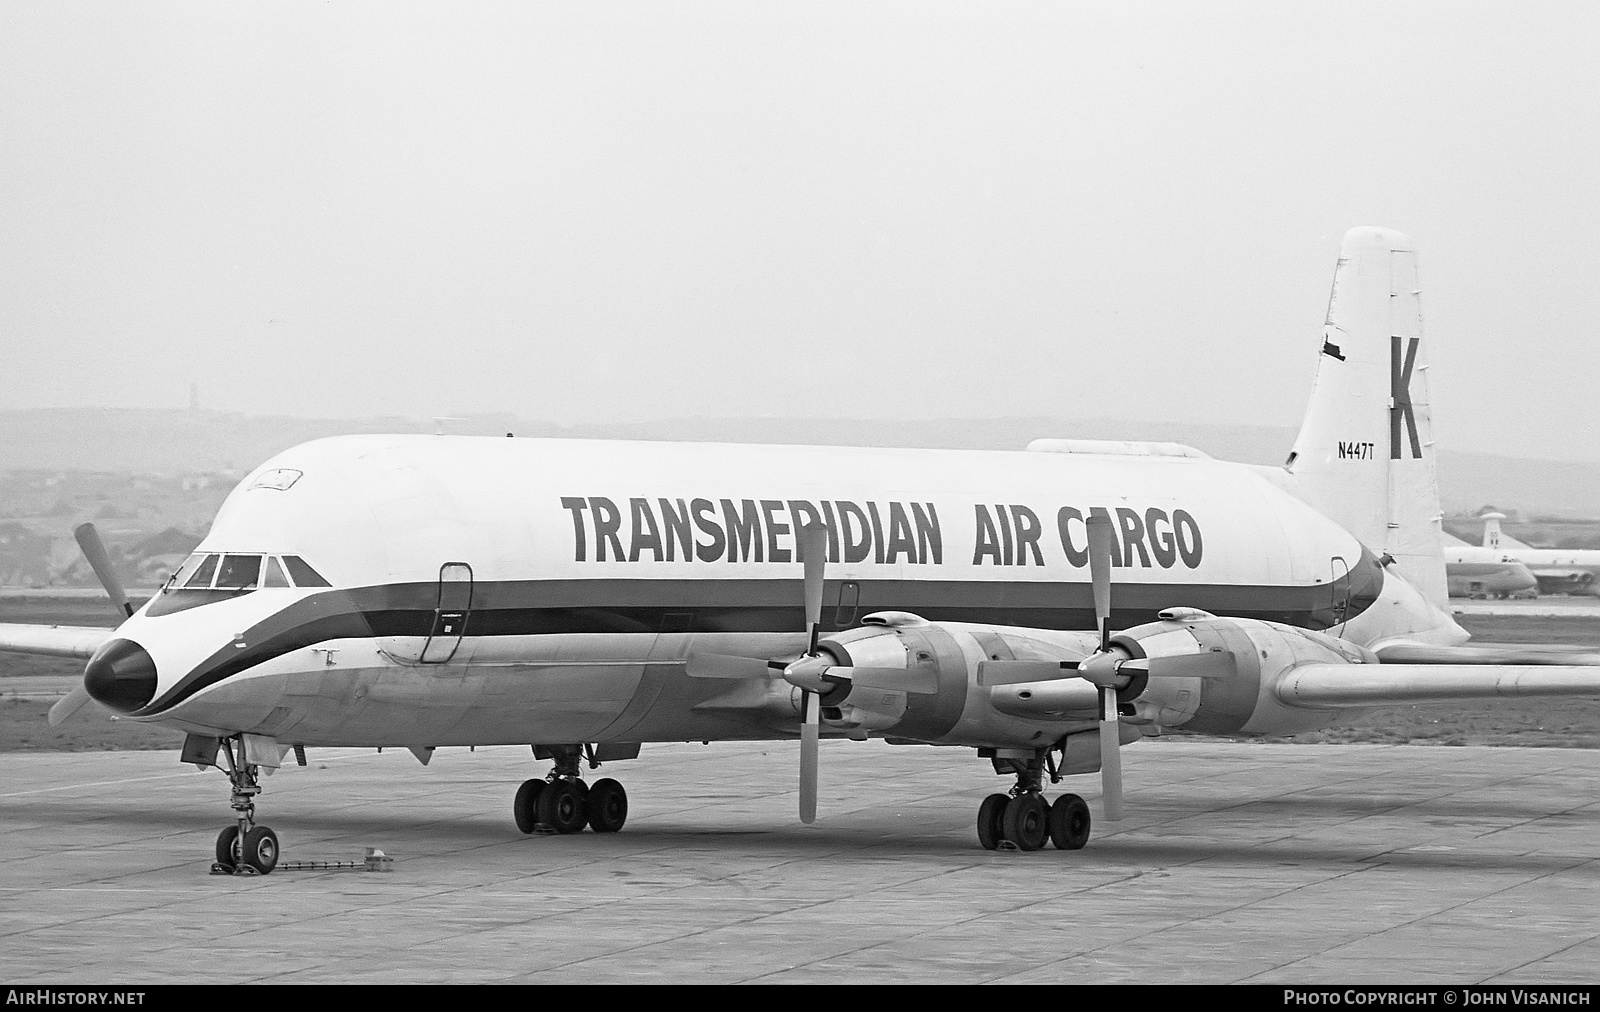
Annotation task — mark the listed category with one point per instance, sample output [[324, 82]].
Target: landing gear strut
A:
[[562, 803], [1023, 819], [244, 848]]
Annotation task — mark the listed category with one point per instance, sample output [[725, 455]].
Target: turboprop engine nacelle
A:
[[1240, 701], [951, 658]]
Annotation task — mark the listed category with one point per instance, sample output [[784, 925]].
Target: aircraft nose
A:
[[122, 675]]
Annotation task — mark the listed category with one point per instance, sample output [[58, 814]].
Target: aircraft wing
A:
[[1330, 686], [53, 640]]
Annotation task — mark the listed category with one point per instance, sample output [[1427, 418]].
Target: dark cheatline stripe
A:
[[553, 607]]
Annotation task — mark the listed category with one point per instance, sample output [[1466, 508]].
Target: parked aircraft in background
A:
[[1475, 572], [1558, 570], [1042, 608]]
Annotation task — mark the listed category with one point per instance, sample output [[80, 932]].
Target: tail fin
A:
[[1365, 456], [1491, 529]]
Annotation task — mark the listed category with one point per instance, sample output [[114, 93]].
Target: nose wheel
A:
[[244, 848]]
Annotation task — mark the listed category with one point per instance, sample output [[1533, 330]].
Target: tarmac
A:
[[1280, 864]]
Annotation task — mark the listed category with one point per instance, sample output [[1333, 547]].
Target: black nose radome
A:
[[121, 675]]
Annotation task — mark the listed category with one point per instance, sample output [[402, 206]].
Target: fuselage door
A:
[[450, 614], [1341, 590], [844, 611]]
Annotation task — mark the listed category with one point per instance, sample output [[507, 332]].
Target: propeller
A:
[[812, 542], [95, 551], [1109, 670], [815, 673], [100, 561], [1101, 668]]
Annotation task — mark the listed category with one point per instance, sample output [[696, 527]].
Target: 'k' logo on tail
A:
[[1400, 397]]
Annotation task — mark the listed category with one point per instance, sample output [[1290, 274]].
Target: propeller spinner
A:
[[815, 673]]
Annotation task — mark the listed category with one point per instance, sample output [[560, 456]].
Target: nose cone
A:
[[121, 675]]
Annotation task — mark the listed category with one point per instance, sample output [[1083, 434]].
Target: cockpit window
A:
[[200, 576], [238, 572], [304, 575], [215, 576], [274, 577]]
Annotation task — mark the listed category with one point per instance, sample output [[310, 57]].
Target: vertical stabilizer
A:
[[1365, 456], [1491, 529]]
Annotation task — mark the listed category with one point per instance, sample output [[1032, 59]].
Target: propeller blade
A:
[[808, 758], [1110, 755], [812, 542], [69, 705], [1100, 572], [727, 666], [890, 679], [1212, 664], [1017, 672], [95, 551]]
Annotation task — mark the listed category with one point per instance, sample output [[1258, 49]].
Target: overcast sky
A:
[[590, 212]]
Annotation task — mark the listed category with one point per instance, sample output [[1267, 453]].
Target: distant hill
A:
[[170, 442]]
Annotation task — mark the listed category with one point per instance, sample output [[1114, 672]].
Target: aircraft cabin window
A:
[[304, 575], [239, 572], [202, 573], [274, 577]]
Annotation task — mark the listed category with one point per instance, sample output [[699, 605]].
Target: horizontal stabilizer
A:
[[1330, 686], [53, 640]]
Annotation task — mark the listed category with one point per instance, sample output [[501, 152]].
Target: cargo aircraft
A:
[[1481, 572], [1557, 570], [1042, 608]]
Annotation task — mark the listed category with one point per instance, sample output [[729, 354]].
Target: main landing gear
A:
[[245, 848], [562, 803], [1024, 820]]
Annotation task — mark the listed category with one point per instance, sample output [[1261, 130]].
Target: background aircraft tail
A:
[[1365, 455], [1494, 537]]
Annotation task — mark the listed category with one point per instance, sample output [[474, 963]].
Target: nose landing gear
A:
[[244, 848]]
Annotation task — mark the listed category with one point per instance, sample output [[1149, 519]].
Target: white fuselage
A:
[[530, 590]]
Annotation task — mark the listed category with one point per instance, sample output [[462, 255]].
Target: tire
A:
[[261, 849], [561, 807], [228, 848], [607, 806], [1027, 822], [1069, 822], [525, 809], [991, 816]]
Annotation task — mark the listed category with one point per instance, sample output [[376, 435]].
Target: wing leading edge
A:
[[1332, 686], [53, 640]]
